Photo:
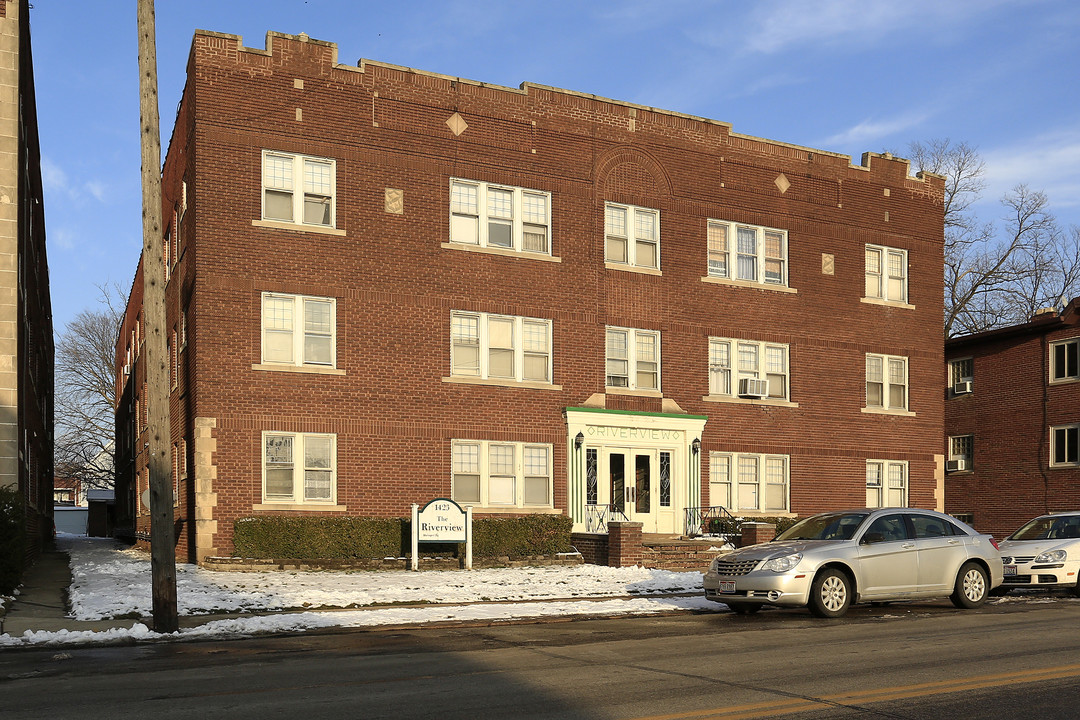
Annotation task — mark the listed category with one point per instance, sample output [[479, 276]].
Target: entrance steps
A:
[[674, 552]]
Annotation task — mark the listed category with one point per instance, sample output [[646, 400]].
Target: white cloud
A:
[[97, 189], [871, 131], [1049, 162], [62, 237], [52, 176], [778, 25]]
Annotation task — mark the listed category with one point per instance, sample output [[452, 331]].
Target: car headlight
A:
[[1051, 556], [783, 564]]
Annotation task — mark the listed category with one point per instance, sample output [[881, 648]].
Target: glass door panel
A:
[[643, 480]]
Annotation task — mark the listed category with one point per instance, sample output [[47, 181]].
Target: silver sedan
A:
[[828, 561]]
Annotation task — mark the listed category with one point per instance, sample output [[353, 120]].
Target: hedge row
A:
[[12, 539], [733, 526], [271, 536]]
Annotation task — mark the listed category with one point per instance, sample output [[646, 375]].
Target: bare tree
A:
[[86, 392], [996, 277]]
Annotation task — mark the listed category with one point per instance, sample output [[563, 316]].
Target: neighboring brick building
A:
[[1012, 416], [26, 331], [387, 286]]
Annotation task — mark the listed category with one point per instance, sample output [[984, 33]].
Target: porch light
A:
[[579, 440], [695, 446]]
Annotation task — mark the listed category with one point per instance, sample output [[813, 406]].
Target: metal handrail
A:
[[697, 519], [598, 516]]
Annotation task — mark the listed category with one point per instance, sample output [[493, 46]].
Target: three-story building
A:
[[386, 285]]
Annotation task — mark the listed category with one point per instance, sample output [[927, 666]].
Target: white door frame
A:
[[606, 431]]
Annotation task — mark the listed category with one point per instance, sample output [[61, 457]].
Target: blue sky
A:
[[840, 75]]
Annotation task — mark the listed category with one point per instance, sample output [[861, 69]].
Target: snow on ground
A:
[[112, 581], [299, 622]]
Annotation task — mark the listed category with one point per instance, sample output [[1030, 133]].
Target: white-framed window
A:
[[738, 251], [504, 347], [886, 382], [492, 474], [961, 453], [298, 188], [886, 273], [1064, 363], [633, 359], [299, 468], [1063, 445], [174, 359], [886, 483], [500, 216], [749, 482], [632, 235], [961, 375], [733, 360], [299, 330]]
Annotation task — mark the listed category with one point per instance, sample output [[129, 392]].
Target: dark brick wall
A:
[[395, 285], [1010, 412]]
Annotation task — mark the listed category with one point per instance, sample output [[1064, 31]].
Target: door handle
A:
[[954, 542], [908, 545], [629, 494]]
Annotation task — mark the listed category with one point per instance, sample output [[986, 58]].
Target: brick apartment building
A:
[[1012, 416], [386, 285], [26, 329]]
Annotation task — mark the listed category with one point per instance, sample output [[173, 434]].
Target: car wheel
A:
[[1076, 589], [830, 594], [971, 588], [744, 608]]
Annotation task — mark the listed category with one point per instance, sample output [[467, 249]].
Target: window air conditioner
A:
[[956, 465], [127, 369], [961, 387], [753, 387]]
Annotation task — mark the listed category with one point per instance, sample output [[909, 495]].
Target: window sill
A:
[[772, 402], [299, 507], [887, 303], [951, 473], [505, 252], [298, 227], [633, 268], [881, 411], [304, 369], [501, 383], [954, 395], [1065, 381], [514, 509], [748, 284], [633, 393], [1064, 466]]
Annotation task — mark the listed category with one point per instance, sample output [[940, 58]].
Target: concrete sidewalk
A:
[[42, 603]]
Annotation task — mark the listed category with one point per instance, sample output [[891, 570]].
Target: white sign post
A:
[[441, 521]]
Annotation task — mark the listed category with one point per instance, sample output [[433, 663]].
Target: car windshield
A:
[[1049, 528], [830, 526]]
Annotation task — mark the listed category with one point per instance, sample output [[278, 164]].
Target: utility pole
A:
[[162, 557]]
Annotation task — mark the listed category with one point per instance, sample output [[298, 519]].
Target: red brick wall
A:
[[1010, 412], [396, 286]]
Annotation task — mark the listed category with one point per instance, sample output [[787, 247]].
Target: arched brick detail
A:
[[631, 175]]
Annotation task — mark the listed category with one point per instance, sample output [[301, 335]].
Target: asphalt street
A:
[[923, 660]]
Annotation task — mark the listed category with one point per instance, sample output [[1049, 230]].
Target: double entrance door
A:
[[639, 487]]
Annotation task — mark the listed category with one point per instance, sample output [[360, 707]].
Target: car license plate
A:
[[1010, 569], [726, 586]]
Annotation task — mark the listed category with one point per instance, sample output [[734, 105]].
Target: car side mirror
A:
[[872, 537]]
